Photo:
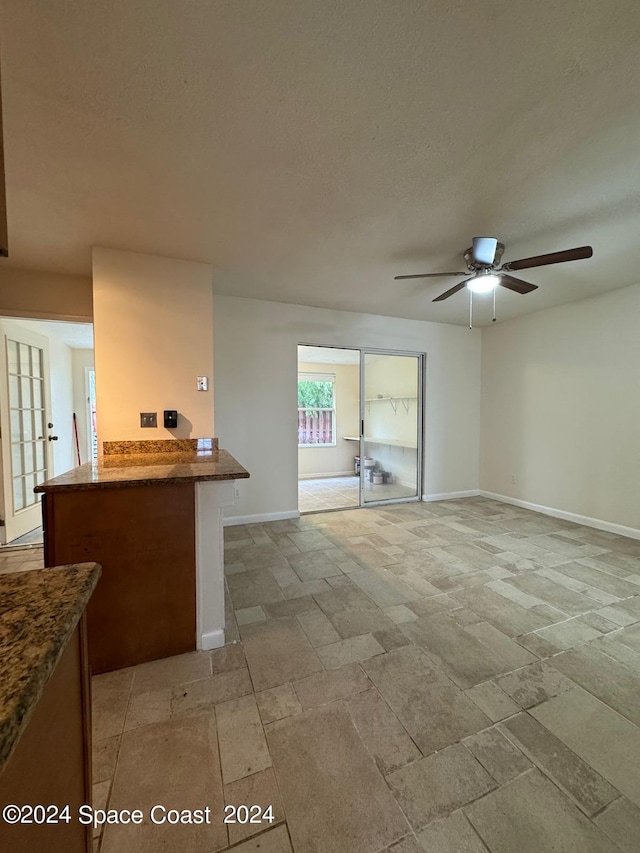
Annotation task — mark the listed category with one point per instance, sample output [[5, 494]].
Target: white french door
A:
[[24, 424]]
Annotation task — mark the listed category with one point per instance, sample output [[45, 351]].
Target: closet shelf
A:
[[393, 400], [380, 399], [389, 442]]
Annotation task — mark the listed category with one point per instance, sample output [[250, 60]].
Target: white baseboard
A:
[[232, 520], [451, 496], [212, 640], [599, 524], [349, 473]]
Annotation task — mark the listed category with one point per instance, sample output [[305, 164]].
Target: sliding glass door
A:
[[391, 426]]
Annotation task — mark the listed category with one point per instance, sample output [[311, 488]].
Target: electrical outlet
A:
[[236, 492], [148, 419], [513, 479]]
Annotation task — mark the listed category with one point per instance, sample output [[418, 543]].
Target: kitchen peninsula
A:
[[150, 513]]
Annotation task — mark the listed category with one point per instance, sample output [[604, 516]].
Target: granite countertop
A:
[[148, 469], [39, 611]]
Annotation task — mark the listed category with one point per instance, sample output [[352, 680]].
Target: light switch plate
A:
[[203, 383], [148, 419]]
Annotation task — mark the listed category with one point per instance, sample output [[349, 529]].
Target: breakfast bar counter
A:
[[151, 515], [123, 470]]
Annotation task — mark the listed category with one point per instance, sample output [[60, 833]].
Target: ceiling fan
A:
[[483, 259]]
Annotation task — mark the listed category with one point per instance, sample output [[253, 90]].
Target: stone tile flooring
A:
[[33, 537], [21, 559], [328, 493], [443, 677], [343, 492]]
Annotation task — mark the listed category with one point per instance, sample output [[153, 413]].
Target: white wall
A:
[[47, 295], [561, 408], [255, 378], [321, 461], [152, 339], [392, 376], [64, 457], [81, 360]]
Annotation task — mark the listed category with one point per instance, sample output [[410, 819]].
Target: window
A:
[[316, 410]]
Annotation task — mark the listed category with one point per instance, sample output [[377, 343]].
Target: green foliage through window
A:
[[316, 410], [313, 394]]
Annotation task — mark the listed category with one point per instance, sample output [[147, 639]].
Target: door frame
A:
[[89, 413], [420, 425]]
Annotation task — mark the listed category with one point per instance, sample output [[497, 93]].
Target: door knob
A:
[[52, 437]]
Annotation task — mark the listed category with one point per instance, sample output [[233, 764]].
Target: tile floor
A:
[[455, 677], [21, 559], [342, 492], [33, 537]]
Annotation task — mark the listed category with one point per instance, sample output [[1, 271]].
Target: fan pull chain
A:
[[471, 309], [494, 305]]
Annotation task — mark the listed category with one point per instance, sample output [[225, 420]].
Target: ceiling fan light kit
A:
[[483, 259], [483, 283]]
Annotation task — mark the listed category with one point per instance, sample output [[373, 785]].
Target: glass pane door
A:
[[26, 406], [392, 420], [26, 452], [93, 428]]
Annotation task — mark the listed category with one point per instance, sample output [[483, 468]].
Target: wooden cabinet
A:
[[144, 537], [51, 762]]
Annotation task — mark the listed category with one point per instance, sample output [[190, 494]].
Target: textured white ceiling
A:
[[312, 150]]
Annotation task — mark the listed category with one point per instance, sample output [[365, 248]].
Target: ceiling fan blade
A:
[[516, 284], [450, 292], [428, 275], [484, 250], [579, 254]]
